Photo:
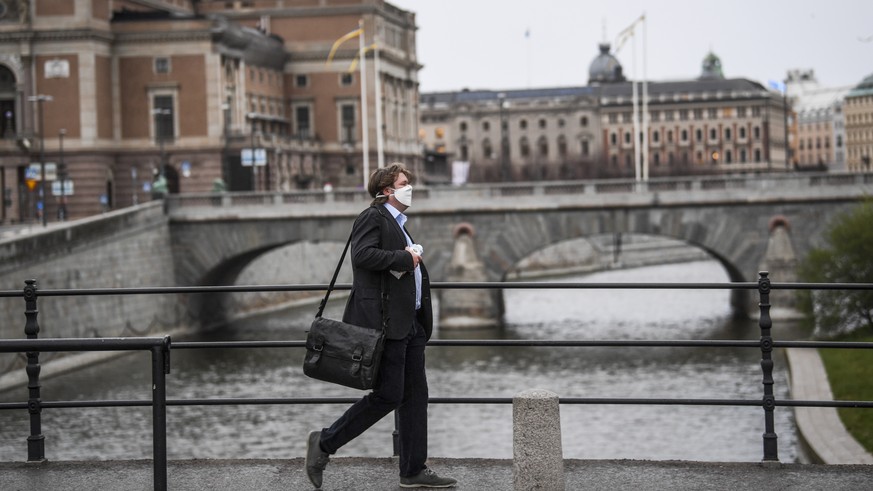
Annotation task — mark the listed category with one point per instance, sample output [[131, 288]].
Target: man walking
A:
[[383, 250]]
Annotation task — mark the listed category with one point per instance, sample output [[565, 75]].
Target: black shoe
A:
[[316, 459], [427, 479]]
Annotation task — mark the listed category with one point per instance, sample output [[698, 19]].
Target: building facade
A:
[[819, 138], [858, 110], [700, 126], [124, 98]]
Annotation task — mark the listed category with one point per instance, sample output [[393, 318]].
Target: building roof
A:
[[605, 68], [863, 88]]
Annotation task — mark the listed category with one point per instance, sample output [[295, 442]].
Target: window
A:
[[757, 155], [712, 113], [613, 139], [524, 147], [585, 148], [756, 111], [657, 159], [301, 80], [347, 79], [742, 133], [698, 135], [583, 121], [487, 149], [162, 113], [655, 116], [562, 146], [464, 153], [561, 123], [543, 145], [542, 123], [302, 121], [670, 136], [756, 131], [522, 124], [728, 157], [613, 118], [698, 114], [486, 126], [743, 156], [713, 134], [668, 115], [741, 112], [627, 137], [627, 117], [727, 134], [683, 115], [347, 120], [685, 135], [162, 65], [656, 137], [463, 127]]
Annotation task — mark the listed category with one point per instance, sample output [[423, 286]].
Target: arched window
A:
[[522, 124], [543, 146], [524, 147], [562, 146], [583, 121], [487, 149]]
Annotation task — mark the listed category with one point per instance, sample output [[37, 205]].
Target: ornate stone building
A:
[[706, 125], [858, 108], [818, 139], [127, 93]]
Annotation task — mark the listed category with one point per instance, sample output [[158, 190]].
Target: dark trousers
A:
[[402, 386]]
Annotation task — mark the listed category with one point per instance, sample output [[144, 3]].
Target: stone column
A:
[[538, 461]]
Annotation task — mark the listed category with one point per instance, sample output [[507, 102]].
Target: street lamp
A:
[[62, 175], [251, 117], [39, 99], [504, 140]]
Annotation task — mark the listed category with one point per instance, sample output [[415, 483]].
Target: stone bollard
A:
[[538, 460]]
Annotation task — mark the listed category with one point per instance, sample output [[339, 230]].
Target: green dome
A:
[[711, 68]]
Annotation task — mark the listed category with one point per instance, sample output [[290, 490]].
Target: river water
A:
[[588, 431]]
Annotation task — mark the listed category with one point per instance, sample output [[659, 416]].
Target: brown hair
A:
[[384, 177]]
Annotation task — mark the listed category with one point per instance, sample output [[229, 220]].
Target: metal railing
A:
[[160, 348]]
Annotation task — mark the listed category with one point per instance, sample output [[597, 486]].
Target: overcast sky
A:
[[481, 44]]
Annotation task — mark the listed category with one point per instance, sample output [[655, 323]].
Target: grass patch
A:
[[850, 373]]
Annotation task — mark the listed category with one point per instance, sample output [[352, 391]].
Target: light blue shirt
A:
[[401, 220]]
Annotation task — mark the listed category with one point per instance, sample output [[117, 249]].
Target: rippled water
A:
[[589, 431]]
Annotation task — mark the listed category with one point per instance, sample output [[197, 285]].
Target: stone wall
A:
[[123, 249]]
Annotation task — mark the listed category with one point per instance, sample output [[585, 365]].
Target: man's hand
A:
[[415, 257]]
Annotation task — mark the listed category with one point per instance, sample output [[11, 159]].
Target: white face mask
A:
[[404, 195]]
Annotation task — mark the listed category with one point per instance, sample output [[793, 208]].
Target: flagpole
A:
[[645, 108], [636, 114], [365, 137], [380, 145]]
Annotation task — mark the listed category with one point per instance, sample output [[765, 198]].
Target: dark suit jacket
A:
[[378, 247]]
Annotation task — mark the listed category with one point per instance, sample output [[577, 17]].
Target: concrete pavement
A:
[[472, 474]]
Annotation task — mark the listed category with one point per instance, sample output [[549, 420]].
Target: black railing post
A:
[[160, 367], [36, 440], [395, 436], [769, 402]]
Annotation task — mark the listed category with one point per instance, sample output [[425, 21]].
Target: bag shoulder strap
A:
[[339, 266]]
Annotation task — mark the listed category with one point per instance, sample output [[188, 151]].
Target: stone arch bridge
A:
[[731, 218]]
